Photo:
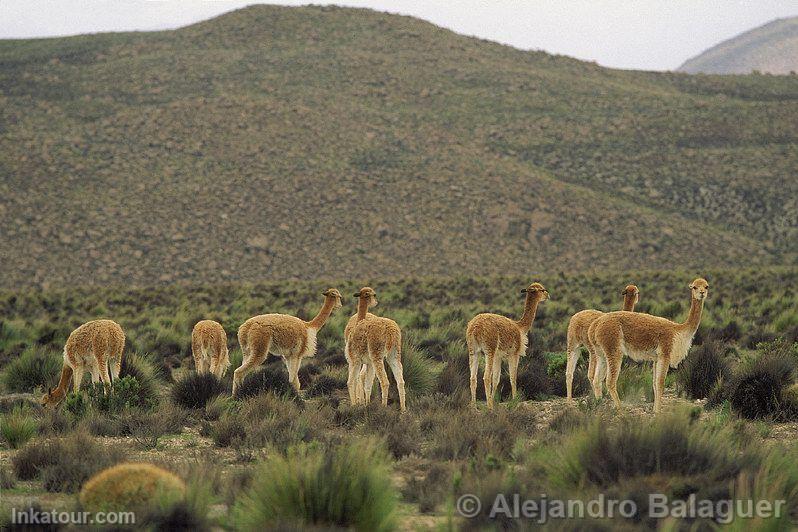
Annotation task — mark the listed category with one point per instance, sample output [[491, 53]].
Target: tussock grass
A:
[[18, 427], [346, 487], [35, 368], [195, 390]]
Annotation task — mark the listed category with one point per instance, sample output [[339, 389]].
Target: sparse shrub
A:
[[196, 390], [35, 367], [7, 480], [402, 436], [270, 378], [228, 430], [348, 487], [148, 375], [18, 427], [429, 488], [758, 387], [218, 406], [63, 464], [703, 367], [603, 455], [131, 487], [464, 433], [326, 383]]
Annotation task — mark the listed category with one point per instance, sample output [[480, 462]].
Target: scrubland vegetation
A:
[[272, 458]]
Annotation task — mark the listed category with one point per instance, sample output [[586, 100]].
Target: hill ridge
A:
[[355, 143]]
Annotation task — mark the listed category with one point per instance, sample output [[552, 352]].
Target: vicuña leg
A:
[[473, 366], [487, 379], [570, 367], [599, 376], [77, 377], [613, 370], [512, 366], [496, 374], [293, 371], [382, 376], [254, 355], [662, 364], [367, 382], [395, 362]]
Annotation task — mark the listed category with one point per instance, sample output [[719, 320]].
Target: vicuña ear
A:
[[49, 390]]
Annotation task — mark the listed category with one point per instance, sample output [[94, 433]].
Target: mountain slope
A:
[[325, 142], [771, 48]]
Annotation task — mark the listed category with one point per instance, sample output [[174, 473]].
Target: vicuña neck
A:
[[321, 318], [530, 308], [63, 382], [694, 318], [629, 303], [362, 308]]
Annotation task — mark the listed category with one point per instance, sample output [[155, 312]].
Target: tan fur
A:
[[578, 328], [209, 348], [371, 343], [366, 298], [93, 347], [646, 337], [499, 337], [282, 335]]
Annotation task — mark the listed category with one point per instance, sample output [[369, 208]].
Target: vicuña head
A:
[[51, 399], [536, 289], [700, 289], [333, 293], [631, 295], [369, 295]]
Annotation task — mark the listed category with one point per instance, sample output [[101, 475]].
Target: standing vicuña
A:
[[646, 337], [209, 348], [373, 341], [500, 337], [578, 329], [282, 335], [367, 298], [91, 347]]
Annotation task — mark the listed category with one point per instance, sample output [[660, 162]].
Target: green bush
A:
[[701, 370], [605, 454], [348, 487], [18, 427], [126, 394], [148, 375], [63, 464], [34, 368], [272, 377], [196, 390], [758, 388]]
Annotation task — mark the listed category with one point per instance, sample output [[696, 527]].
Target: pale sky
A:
[[639, 34]]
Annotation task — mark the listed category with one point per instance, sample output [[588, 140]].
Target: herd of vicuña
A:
[[370, 341]]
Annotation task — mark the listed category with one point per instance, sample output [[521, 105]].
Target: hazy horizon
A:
[[647, 35]]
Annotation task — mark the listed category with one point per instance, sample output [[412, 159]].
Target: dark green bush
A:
[[18, 427], [347, 487], [64, 464], [34, 368], [758, 387], [272, 377], [703, 367], [196, 390]]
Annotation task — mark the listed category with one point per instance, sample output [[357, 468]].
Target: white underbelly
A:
[[640, 354]]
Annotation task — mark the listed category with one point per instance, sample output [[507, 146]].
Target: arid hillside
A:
[[284, 143], [771, 48]]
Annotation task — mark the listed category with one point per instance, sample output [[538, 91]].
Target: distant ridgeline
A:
[[285, 143]]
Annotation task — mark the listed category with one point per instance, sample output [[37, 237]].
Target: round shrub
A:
[[196, 390], [699, 373], [758, 389], [129, 486], [34, 367], [270, 378], [348, 487]]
